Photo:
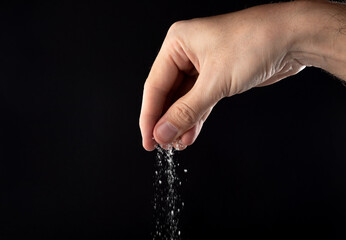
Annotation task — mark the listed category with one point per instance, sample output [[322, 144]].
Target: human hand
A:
[[204, 60]]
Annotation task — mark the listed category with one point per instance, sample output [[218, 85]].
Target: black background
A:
[[269, 163]]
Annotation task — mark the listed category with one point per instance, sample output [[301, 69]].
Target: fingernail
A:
[[166, 132]]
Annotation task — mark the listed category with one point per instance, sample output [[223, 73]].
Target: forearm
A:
[[320, 36]]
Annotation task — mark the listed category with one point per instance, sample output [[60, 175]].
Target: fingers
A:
[[168, 76], [190, 136], [158, 85], [184, 119]]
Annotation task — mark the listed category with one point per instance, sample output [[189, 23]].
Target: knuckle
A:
[[176, 27], [184, 114]]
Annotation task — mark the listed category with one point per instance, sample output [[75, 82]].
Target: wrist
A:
[[318, 34]]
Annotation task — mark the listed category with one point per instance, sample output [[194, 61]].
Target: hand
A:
[[204, 60]]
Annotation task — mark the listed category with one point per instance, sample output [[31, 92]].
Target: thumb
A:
[[183, 115]]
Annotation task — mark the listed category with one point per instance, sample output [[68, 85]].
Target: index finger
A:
[[163, 74]]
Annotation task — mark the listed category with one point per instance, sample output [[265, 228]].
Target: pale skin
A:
[[204, 60]]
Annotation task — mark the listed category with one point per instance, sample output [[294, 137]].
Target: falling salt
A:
[[167, 201]]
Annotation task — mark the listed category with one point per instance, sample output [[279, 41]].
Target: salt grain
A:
[[166, 196]]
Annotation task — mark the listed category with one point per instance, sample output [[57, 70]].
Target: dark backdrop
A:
[[269, 163]]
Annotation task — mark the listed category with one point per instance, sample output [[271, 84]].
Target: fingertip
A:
[[178, 145], [189, 137], [149, 149], [149, 144]]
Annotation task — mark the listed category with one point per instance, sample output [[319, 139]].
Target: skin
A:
[[204, 60]]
